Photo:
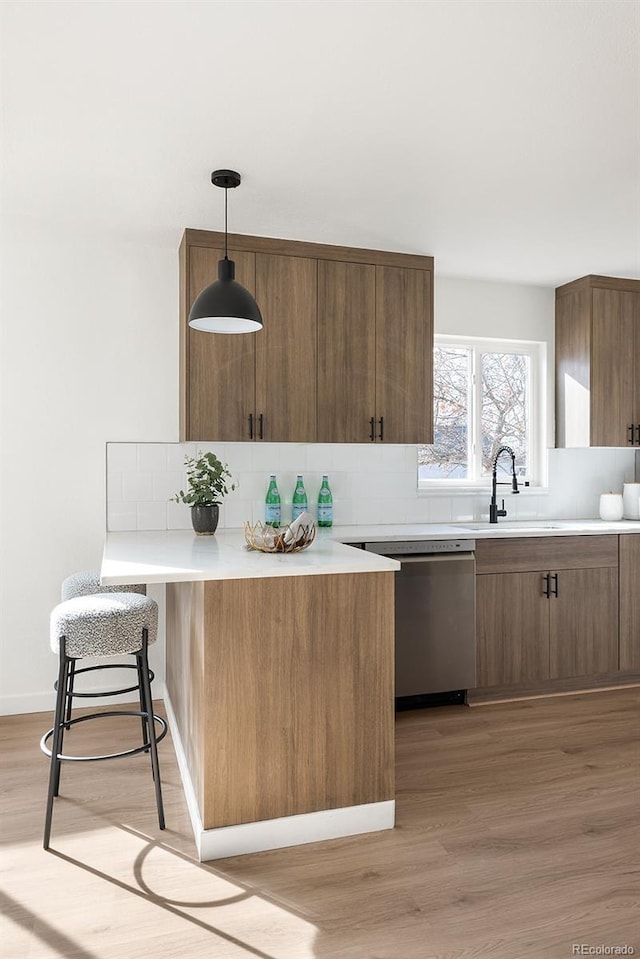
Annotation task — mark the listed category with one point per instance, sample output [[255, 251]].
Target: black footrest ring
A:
[[92, 759], [106, 692]]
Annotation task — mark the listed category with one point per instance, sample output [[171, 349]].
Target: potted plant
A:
[[207, 480]]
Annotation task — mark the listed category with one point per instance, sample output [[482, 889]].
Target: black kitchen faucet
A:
[[494, 512]]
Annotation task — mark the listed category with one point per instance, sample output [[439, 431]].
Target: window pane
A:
[[448, 458], [505, 410]]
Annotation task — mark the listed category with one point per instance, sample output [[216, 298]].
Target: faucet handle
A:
[[502, 512]]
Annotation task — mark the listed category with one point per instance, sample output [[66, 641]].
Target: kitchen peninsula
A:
[[279, 684]]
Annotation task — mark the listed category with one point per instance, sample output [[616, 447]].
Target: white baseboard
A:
[[274, 833]]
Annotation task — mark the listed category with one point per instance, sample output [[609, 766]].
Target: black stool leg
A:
[[143, 718], [69, 693], [151, 726], [58, 724]]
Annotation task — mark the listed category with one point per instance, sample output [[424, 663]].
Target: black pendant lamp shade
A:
[[225, 306]]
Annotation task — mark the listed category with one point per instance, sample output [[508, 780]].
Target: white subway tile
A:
[[137, 487], [237, 512], [440, 510], [178, 516], [152, 457], [121, 456], [462, 509], [167, 484], [347, 457], [292, 457], [151, 516], [121, 517], [320, 457], [240, 457], [176, 453], [393, 459]]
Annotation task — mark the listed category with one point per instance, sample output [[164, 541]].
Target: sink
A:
[[524, 525]]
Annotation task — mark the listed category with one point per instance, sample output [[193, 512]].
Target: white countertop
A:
[[483, 530], [170, 556]]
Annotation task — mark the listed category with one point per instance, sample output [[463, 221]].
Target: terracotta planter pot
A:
[[205, 519]]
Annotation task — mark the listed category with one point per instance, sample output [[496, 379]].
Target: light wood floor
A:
[[517, 837]]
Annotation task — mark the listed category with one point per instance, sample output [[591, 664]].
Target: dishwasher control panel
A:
[[422, 547]]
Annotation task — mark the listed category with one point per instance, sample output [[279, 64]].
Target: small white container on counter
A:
[[611, 508], [631, 500]]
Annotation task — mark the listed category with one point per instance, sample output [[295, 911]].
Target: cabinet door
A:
[[612, 366], [630, 602], [404, 355], [220, 369], [286, 348], [512, 620], [346, 351], [584, 623]]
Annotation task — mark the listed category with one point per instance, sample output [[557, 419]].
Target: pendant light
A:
[[225, 306]]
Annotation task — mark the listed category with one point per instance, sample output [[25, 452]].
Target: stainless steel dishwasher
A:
[[435, 618]]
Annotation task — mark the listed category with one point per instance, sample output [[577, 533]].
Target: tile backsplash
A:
[[370, 484]]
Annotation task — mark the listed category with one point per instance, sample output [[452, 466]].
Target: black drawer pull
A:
[[381, 428], [547, 585], [638, 429], [554, 577], [372, 429], [250, 426], [631, 431], [261, 426]]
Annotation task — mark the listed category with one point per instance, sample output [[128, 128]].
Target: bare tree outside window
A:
[[448, 458], [505, 409], [477, 391]]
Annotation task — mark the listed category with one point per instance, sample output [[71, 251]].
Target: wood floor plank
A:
[[517, 836]]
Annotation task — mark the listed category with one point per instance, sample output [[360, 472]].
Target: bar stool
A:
[[86, 582], [102, 625]]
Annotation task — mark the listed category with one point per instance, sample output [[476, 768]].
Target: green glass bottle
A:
[[299, 502], [325, 504], [273, 508]]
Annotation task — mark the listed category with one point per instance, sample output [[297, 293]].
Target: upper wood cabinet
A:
[[346, 353], [598, 362]]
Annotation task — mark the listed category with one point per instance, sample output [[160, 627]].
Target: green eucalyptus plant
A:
[[207, 480]]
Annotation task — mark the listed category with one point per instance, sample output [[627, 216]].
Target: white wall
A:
[[90, 354]]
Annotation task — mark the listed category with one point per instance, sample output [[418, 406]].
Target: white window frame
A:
[[537, 354]]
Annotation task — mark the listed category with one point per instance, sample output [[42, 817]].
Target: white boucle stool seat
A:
[[87, 581], [104, 624]]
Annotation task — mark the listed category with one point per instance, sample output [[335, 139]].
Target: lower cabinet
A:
[[630, 602], [546, 609]]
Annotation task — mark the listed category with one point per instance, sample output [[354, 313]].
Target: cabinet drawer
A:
[[541, 553]]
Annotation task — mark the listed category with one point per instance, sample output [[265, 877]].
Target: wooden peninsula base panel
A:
[[282, 693]]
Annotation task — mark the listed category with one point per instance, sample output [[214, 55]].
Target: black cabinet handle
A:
[[554, 577], [261, 426], [630, 431], [250, 417], [381, 428], [547, 591], [638, 429], [372, 429]]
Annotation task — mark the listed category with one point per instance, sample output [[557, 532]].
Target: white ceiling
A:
[[501, 137]]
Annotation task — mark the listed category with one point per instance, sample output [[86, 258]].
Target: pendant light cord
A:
[[225, 223]]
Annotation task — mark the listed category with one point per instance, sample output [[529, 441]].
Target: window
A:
[[486, 394]]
